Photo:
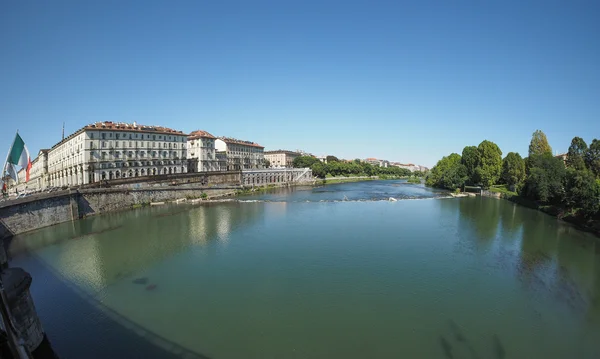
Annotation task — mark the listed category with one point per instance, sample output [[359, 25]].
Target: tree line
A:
[[335, 168], [573, 184]]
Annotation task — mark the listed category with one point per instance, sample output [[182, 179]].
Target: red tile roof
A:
[[119, 126], [287, 152], [199, 133]]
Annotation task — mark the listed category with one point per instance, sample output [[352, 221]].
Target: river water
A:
[[330, 272]]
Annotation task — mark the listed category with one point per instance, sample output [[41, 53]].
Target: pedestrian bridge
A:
[[277, 176]]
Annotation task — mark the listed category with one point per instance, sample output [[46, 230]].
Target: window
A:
[[91, 135], [103, 144], [116, 143], [110, 135], [117, 136], [130, 144], [103, 135]]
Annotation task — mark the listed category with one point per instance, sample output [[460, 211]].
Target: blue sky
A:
[[404, 81]]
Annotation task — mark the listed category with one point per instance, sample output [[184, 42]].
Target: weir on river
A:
[[304, 273]]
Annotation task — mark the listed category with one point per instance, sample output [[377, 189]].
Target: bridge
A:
[[277, 176]]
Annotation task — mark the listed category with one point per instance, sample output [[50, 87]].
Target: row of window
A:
[[131, 136], [138, 144], [137, 164], [117, 154]]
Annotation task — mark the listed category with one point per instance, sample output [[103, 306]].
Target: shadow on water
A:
[[446, 348], [101, 332], [497, 349]]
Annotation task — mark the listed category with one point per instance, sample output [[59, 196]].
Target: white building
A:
[[110, 150], [240, 154], [377, 162], [201, 152], [409, 166], [281, 158], [38, 175]]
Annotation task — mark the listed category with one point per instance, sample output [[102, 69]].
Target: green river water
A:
[[329, 272]]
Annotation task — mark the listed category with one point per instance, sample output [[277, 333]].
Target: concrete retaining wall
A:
[[35, 212]]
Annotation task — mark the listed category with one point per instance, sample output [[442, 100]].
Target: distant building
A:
[[201, 152], [377, 162], [372, 161], [322, 158], [241, 155], [38, 175], [409, 166], [281, 158], [562, 156]]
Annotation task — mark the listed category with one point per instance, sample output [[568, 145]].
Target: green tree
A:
[[448, 173], [319, 169], [592, 157], [332, 159], [539, 144], [470, 158], [304, 161], [582, 191], [545, 180], [490, 163], [513, 170], [267, 163], [577, 153]]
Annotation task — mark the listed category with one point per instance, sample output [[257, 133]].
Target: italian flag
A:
[[19, 155]]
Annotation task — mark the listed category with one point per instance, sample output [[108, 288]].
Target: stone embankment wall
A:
[[39, 211], [181, 180], [45, 209]]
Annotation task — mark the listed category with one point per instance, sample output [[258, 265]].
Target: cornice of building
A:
[[235, 141]]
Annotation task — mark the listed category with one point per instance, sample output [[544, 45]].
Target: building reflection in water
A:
[[99, 251]]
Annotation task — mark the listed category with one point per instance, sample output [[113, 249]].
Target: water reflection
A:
[[472, 277], [551, 259], [482, 217], [99, 251]]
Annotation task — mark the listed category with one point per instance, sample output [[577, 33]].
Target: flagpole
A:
[[6, 162]]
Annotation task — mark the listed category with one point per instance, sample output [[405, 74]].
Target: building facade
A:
[[110, 150], [38, 175], [281, 158], [201, 152], [377, 162], [241, 155]]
